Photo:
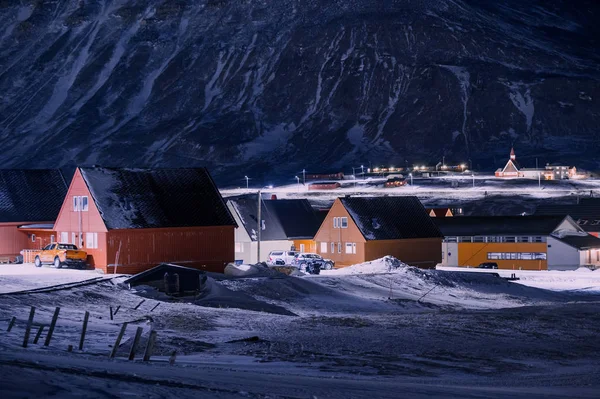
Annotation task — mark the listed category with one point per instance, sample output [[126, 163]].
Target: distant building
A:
[[325, 176], [439, 212], [550, 172], [552, 242], [325, 185], [586, 213]]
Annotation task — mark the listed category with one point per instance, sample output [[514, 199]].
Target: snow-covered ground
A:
[[373, 330]]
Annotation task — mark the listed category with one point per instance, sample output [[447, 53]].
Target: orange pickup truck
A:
[[61, 255]]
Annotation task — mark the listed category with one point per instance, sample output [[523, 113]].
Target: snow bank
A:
[[387, 264], [257, 270]]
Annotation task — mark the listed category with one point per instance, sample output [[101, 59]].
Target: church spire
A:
[[512, 154]]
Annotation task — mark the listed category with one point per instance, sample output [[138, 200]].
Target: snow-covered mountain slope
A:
[[309, 83]]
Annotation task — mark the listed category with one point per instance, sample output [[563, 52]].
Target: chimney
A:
[[273, 197]]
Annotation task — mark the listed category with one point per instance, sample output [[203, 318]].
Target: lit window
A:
[[64, 237], [91, 240], [323, 247], [301, 247], [349, 248]]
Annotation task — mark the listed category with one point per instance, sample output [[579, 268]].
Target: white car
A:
[[281, 258]]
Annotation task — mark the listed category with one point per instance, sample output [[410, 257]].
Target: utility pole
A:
[[304, 176], [539, 180], [298, 181], [473, 175], [259, 229], [362, 171]]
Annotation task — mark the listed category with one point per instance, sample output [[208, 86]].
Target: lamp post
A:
[[246, 177], [362, 171], [539, 180], [303, 176], [473, 176], [411, 179], [298, 181]]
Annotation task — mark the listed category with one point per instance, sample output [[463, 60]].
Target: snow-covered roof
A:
[[31, 195], [390, 218], [469, 226], [156, 198]]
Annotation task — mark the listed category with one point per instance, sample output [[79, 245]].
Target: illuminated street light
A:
[[247, 178]]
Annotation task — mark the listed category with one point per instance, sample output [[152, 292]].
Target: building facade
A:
[[360, 229], [130, 220], [518, 242]]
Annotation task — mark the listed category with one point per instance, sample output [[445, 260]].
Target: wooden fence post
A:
[[172, 358], [150, 346], [136, 340], [52, 325], [85, 323], [28, 328], [139, 304], [116, 310], [70, 348], [155, 307], [39, 333], [11, 324], [118, 341], [111, 313]]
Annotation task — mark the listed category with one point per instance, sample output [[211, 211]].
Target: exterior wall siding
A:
[[562, 256], [206, 248], [328, 234], [472, 254], [309, 245], [425, 253], [12, 241]]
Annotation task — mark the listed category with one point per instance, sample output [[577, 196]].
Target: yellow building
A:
[[518, 242]]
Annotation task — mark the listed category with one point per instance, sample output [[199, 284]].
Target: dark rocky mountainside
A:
[[250, 86]]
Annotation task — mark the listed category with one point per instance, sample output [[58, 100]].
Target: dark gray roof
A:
[[390, 218], [499, 225], [581, 242], [31, 195], [586, 214], [283, 219], [156, 198]]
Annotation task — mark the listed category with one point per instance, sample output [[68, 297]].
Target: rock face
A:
[[250, 86]]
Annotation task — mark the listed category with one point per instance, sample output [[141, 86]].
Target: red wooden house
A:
[[130, 220], [30, 200]]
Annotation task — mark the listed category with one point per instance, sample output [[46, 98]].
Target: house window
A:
[[339, 247], [353, 247], [64, 237], [33, 238], [344, 222], [336, 222], [510, 239], [323, 247], [301, 247], [239, 247], [522, 239], [517, 256], [80, 203], [479, 239], [91, 240], [333, 247], [537, 239], [465, 239], [452, 239], [73, 236], [349, 248], [52, 238]]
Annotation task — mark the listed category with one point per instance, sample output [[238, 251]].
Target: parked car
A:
[[488, 265], [304, 259], [281, 258], [60, 255]]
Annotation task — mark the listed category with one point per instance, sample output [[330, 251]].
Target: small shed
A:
[[171, 279]]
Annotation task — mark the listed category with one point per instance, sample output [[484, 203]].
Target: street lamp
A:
[[362, 171], [247, 178], [473, 176], [462, 167], [303, 176], [298, 181], [411, 179]]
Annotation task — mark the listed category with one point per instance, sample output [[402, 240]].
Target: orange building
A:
[[30, 200], [360, 229], [130, 220], [518, 242]]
